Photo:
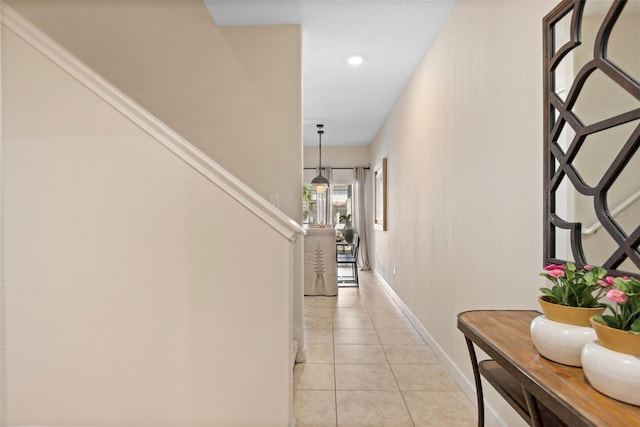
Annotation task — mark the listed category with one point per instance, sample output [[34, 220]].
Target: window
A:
[[340, 198], [309, 205], [341, 204]]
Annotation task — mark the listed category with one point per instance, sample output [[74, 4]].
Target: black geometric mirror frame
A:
[[558, 162]]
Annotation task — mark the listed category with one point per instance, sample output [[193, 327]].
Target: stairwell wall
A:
[[129, 301], [234, 92]]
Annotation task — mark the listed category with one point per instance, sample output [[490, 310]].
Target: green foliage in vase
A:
[[625, 312], [575, 287], [306, 193]]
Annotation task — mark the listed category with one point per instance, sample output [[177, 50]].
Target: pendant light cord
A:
[[320, 132]]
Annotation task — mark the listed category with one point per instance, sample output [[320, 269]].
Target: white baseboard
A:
[[466, 385]]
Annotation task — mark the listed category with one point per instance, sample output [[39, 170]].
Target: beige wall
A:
[[138, 292], [464, 149], [236, 93], [3, 369], [335, 157]]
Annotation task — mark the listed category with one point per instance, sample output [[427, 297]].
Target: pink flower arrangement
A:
[[575, 287], [625, 312], [556, 273], [617, 296], [552, 267]]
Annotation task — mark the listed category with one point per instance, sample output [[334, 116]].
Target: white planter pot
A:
[[560, 342], [612, 373]]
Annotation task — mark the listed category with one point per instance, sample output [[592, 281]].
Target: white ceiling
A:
[[352, 102]]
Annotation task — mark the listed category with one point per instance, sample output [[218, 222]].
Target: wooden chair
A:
[[351, 258]]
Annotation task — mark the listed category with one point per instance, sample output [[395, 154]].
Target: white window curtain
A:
[[361, 218], [328, 173]]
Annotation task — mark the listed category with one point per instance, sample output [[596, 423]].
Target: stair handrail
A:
[[153, 126], [614, 212]]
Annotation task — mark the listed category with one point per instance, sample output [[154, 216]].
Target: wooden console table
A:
[[543, 392]]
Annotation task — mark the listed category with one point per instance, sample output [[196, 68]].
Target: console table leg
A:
[[534, 411], [476, 377]]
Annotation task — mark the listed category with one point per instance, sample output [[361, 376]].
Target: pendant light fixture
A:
[[320, 183]]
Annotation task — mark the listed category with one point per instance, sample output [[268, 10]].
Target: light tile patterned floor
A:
[[367, 366]]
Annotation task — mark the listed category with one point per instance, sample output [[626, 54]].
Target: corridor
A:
[[367, 366]]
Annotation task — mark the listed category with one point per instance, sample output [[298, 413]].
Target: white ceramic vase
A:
[[612, 373], [560, 342]]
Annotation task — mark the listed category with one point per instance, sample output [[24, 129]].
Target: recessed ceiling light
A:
[[355, 60]]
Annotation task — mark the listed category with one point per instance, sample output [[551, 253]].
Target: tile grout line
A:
[[350, 301], [369, 318], [395, 376]]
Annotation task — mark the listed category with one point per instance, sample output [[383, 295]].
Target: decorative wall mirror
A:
[[592, 134]]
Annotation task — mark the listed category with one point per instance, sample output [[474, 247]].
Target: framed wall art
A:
[[380, 177]]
